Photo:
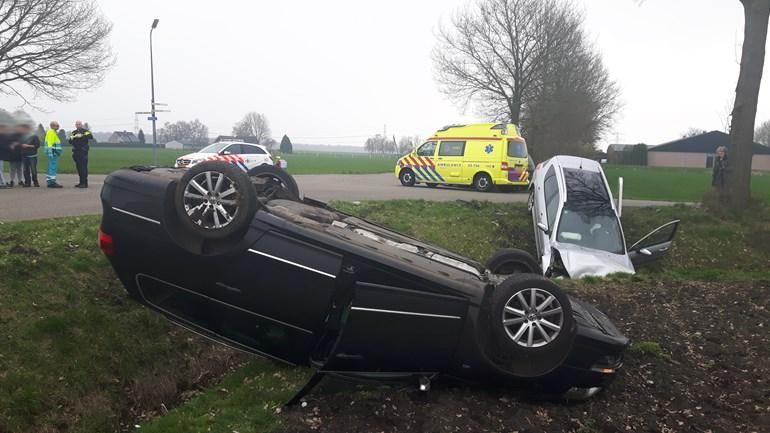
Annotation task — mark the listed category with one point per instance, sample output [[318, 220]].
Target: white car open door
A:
[[653, 246]]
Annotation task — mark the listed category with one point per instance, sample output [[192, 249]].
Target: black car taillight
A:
[[105, 243]]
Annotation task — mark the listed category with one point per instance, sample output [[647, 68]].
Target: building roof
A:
[[617, 147], [124, 136], [704, 143]]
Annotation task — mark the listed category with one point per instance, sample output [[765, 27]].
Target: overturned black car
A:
[[240, 258]]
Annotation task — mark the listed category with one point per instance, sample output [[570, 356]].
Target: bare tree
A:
[[253, 124], [692, 132], [762, 133], [519, 60], [52, 47], [738, 181], [406, 144], [380, 144], [195, 132]]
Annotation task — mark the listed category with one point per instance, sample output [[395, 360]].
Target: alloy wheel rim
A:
[[483, 184], [407, 177], [211, 200], [533, 317]]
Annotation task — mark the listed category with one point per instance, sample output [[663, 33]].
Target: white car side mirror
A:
[[645, 252], [543, 227]]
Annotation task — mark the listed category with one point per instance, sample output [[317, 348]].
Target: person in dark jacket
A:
[[721, 168], [10, 149], [25, 128], [79, 139]]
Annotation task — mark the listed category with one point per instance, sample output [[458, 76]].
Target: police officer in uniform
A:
[[79, 140]]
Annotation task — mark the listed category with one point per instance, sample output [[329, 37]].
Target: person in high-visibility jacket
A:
[[53, 151]]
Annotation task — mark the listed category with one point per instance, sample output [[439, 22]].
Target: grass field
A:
[[102, 160], [644, 183], [77, 355], [674, 184]]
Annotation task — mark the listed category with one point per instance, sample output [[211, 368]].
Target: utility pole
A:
[[152, 100]]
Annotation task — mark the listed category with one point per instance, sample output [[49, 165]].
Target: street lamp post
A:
[[152, 102]]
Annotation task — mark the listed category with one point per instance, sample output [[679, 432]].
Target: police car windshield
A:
[[588, 219], [215, 148]]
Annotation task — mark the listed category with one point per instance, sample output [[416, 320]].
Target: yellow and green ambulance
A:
[[482, 155]]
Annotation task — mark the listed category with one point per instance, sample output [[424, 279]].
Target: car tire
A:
[[532, 334], [482, 182], [215, 200], [273, 182], [508, 261], [407, 177], [431, 185]]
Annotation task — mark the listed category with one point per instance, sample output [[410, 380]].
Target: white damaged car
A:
[[577, 224]]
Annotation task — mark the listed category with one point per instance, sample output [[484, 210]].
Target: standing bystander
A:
[[79, 139], [721, 168], [25, 129], [53, 151]]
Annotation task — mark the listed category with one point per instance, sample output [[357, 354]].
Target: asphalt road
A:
[[17, 204]]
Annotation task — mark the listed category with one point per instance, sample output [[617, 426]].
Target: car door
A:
[[253, 155], [233, 149], [423, 163], [449, 161], [547, 201], [653, 246]]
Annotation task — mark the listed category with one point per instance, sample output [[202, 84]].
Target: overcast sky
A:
[[335, 72]]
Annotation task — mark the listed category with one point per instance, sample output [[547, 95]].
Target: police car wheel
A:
[[532, 327], [272, 182], [406, 177], [482, 182], [215, 200]]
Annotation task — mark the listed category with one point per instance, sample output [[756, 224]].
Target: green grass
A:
[[77, 354], [102, 160], [650, 348], [674, 184]]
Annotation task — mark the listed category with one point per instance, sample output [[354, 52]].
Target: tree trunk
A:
[[738, 179]]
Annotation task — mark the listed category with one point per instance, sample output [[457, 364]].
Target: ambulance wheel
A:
[[406, 177], [482, 182]]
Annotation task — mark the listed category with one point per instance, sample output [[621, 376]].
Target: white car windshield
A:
[[588, 219], [214, 148]]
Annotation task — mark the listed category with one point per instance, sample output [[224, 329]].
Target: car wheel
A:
[[215, 200], [273, 182], [509, 261], [482, 182], [532, 325], [431, 185], [406, 177]]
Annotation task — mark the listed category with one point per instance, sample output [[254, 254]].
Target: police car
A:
[[244, 155]]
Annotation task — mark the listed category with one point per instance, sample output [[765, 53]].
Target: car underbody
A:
[[306, 284]]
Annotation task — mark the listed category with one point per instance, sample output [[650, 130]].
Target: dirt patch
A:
[[19, 249], [711, 375]]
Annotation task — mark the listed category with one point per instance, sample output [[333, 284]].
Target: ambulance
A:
[[482, 155]]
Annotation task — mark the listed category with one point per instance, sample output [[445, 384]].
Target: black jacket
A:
[[721, 168], [33, 140], [79, 140]]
